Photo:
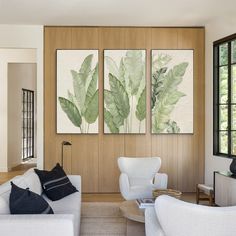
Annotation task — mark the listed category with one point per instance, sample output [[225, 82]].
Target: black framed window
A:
[[27, 124], [225, 97]]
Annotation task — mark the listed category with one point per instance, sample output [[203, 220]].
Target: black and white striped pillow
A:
[[56, 185], [24, 201]]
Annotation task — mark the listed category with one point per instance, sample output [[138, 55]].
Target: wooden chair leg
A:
[[197, 194], [211, 198]]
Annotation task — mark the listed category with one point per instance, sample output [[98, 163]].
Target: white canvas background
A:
[[116, 55], [70, 60], [183, 111]]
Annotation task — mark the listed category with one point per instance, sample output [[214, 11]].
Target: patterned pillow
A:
[[23, 201], [56, 185]]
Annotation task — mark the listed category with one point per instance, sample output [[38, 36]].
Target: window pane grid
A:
[[27, 124], [225, 98]]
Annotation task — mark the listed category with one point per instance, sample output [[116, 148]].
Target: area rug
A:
[[102, 218]]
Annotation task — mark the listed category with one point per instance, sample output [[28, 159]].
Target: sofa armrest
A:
[[37, 225], [180, 218], [152, 225], [76, 181], [124, 185], [160, 181]]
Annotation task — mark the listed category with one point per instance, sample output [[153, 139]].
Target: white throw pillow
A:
[[32, 181]]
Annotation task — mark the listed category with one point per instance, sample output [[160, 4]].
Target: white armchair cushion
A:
[[140, 192], [178, 218], [135, 181]]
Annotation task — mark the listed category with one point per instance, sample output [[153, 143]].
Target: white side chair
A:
[[173, 217], [139, 177]]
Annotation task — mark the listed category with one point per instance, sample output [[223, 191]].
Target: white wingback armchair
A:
[[139, 176], [173, 217]]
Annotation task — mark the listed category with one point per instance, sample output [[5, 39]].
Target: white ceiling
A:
[[115, 12]]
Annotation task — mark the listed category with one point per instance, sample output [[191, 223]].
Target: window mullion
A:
[[229, 99], [216, 134], [218, 99]]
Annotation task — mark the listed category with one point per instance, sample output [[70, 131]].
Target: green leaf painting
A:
[[77, 91], [172, 91], [71, 111], [124, 91]]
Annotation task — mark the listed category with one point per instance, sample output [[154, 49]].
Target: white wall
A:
[[21, 36], [20, 76], [215, 30], [9, 56]]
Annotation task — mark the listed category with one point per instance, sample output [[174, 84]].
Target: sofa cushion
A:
[[32, 181], [24, 201], [68, 205], [4, 207], [5, 188], [56, 185]]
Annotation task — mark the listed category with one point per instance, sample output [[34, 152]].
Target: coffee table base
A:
[[135, 228]]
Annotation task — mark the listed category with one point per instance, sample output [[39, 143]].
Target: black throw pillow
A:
[[56, 185], [23, 201]]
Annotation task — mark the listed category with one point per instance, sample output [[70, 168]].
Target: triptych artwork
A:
[[124, 91]]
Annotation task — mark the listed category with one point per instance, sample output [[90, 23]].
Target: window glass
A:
[[233, 51], [233, 84], [223, 117], [233, 117], [223, 49], [233, 143], [223, 142], [223, 85]]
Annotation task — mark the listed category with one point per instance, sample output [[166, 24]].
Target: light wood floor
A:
[[116, 197]]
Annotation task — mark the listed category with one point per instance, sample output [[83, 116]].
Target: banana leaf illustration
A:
[[165, 94], [127, 85], [81, 105]]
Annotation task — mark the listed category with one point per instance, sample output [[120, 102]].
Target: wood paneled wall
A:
[[94, 157]]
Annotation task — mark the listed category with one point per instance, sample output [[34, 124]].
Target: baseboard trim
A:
[[4, 169]]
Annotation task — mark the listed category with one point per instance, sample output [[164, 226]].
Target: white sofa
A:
[[139, 177], [66, 218], [172, 217]]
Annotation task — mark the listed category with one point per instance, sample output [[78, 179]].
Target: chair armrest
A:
[[37, 225], [76, 181], [152, 225], [124, 185], [160, 181]]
